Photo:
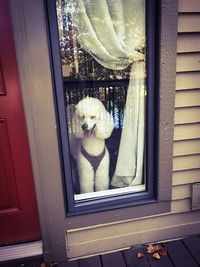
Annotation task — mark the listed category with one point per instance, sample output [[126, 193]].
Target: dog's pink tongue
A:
[[87, 133]]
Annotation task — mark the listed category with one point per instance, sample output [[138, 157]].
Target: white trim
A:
[[109, 193], [21, 251]]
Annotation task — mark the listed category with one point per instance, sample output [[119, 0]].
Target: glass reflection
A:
[[102, 48]]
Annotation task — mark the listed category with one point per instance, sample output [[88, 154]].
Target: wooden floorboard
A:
[[90, 262], [132, 260], [179, 254], [193, 246], [35, 261], [114, 259], [67, 264], [164, 261]]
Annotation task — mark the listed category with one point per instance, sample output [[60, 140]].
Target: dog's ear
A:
[[104, 126]]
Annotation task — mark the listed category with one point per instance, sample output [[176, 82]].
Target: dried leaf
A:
[[156, 256], [150, 248], [162, 252], [140, 255], [153, 248]]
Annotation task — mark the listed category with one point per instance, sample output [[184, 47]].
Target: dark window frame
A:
[[155, 186]]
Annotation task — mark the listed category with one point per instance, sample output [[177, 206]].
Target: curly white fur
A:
[[92, 124]]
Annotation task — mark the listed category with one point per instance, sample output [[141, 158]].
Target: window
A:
[[104, 60]]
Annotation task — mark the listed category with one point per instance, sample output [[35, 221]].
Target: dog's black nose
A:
[[84, 126]]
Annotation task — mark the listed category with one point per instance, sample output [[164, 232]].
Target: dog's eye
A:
[[93, 117], [82, 117]]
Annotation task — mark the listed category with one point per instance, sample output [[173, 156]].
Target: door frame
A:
[[32, 51]]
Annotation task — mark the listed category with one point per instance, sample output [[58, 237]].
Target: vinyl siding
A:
[[186, 151], [186, 158]]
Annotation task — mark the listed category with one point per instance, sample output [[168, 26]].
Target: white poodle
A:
[[91, 124]]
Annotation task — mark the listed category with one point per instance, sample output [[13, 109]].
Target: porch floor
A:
[[180, 253]]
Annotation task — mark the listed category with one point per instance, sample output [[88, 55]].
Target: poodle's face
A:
[[89, 111]]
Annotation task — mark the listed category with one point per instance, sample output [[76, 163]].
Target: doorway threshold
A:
[[23, 250]]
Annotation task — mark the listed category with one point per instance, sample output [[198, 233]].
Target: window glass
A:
[[103, 54]]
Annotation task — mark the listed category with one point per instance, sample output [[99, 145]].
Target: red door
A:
[[18, 210]]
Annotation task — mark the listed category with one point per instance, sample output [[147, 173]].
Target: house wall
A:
[[181, 220], [118, 233]]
